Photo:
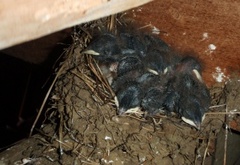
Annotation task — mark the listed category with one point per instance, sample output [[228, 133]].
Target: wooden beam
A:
[[25, 20]]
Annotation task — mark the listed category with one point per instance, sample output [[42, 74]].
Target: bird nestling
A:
[[129, 98], [187, 92], [147, 74]]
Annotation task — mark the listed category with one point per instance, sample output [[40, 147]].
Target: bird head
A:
[[192, 111], [193, 118], [103, 47], [129, 98]]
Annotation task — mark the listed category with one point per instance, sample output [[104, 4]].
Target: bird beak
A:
[[133, 110], [123, 111], [197, 74], [91, 52], [116, 102], [152, 71], [198, 125], [165, 70], [192, 123]]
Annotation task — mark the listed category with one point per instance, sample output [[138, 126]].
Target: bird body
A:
[[153, 87], [187, 92], [129, 97], [152, 101]]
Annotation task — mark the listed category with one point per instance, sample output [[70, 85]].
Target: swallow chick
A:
[[152, 102], [191, 111], [132, 44], [190, 97], [104, 48], [129, 63], [129, 69], [190, 65], [189, 72], [171, 101], [155, 61], [187, 95], [154, 89], [128, 98], [158, 60], [152, 41]]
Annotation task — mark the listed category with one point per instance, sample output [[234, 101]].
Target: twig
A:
[[43, 104], [112, 23], [225, 140], [222, 113], [143, 27], [60, 134], [48, 93], [205, 152], [216, 106]]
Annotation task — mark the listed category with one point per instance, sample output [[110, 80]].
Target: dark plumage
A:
[[129, 69], [105, 48], [171, 101], [128, 64], [152, 101], [153, 41], [189, 65], [154, 93], [156, 61], [190, 98], [140, 44], [129, 97], [133, 43], [146, 79], [191, 110], [146, 73]]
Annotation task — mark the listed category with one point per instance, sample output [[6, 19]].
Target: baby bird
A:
[[133, 43], [189, 65], [187, 92], [129, 97], [152, 102], [105, 48], [156, 61], [129, 69], [191, 111], [154, 93], [128, 64], [152, 41], [146, 73]]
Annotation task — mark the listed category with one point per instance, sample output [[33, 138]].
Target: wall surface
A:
[[211, 29]]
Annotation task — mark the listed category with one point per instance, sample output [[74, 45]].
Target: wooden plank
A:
[[24, 20]]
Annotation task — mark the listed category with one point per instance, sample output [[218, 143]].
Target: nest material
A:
[[83, 121]]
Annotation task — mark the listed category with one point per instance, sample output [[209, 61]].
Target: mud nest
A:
[[82, 125]]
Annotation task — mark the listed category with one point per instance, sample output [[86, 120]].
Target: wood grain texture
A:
[[25, 20], [196, 26]]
